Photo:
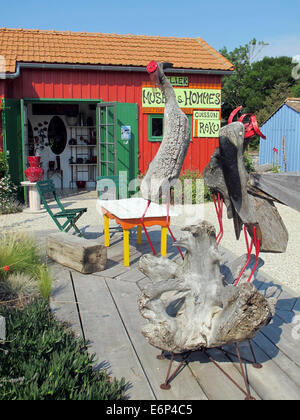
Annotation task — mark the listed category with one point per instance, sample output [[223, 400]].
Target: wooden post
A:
[[106, 231], [139, 235], [163, 246], [284, 156], [126, 247]]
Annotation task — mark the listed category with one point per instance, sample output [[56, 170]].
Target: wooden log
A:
[[283, 187], [83, 255]]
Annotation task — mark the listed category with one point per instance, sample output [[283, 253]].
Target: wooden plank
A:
[[270, 382], [284, 187], [184, 386], [214, 383], [62, 297], [281, 334], [109, 340], [281, 360]]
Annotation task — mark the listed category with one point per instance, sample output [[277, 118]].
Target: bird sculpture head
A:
[[156, 71], [251, 127]]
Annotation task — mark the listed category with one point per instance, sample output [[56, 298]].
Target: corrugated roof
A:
[[293, 103], [40, 46]]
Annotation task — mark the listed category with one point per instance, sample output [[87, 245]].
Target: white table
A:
[[129, 213]]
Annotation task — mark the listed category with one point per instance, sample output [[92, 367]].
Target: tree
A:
[[242, 59], [272, 102], [253, 80], [262, 78]]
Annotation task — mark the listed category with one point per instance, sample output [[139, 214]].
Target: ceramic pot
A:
[[34, 173], [81, 184]]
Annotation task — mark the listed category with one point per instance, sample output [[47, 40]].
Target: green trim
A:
[[159, 139], [154, 139], [22, 136], [3, 125], [61, 100]]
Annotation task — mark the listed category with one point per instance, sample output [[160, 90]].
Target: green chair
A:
[[72, 215]]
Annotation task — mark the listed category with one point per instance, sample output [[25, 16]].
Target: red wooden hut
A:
[[85, 102]]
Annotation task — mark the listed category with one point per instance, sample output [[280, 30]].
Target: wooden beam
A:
[[83, 255], [283, 187]]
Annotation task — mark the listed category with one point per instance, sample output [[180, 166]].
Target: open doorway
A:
[[64, 135]]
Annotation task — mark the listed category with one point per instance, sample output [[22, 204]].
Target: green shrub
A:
[[248, 162], [42, 360], [18, 288], [3, 164], [188, 179], [20, 254], [8, 196]]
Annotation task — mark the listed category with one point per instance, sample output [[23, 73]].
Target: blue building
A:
[[282, 130]]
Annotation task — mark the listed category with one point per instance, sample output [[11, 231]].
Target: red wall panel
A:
[[111, 86]]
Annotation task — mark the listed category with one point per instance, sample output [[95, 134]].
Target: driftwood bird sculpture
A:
[[165, 168], [227, 177]]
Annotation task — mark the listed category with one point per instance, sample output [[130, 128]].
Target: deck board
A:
[[109, 340], [112, 322], [270, 382], [126, 296], [214, 383]]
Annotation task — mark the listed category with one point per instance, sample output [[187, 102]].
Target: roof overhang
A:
[[62, 66]]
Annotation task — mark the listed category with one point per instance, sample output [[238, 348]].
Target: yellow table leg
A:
[[139, 235], [126, 247], [106, 231], [163, 246]]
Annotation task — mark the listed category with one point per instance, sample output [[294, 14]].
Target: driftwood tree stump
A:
[[189, 307]]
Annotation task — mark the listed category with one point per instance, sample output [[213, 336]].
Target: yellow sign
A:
[[186, 98], [178, 80], [206, 124]]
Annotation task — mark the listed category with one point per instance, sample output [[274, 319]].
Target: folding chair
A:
[[72, 215]]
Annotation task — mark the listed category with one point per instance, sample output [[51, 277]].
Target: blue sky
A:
[[220, 23]]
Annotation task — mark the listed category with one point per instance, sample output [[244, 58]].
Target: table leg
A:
[[126, 247], [164, 234], [106, 231], [139, 235]]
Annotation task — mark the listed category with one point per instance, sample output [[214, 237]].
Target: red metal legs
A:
[[255, 241], [144, 227], [168, 225], [219, 211]]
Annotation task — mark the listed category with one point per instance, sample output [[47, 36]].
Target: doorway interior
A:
[[64, 135]]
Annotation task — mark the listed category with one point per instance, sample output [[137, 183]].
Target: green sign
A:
[[178, 80], [206, 124], [186, 98]]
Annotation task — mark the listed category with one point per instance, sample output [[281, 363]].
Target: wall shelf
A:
[[83, 171]]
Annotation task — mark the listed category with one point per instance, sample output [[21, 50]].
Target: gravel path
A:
[[283, 268]]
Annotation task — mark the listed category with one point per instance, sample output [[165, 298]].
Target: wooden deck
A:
[[112, 324]]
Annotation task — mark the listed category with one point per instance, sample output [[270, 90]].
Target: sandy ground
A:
[[283, 268]]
